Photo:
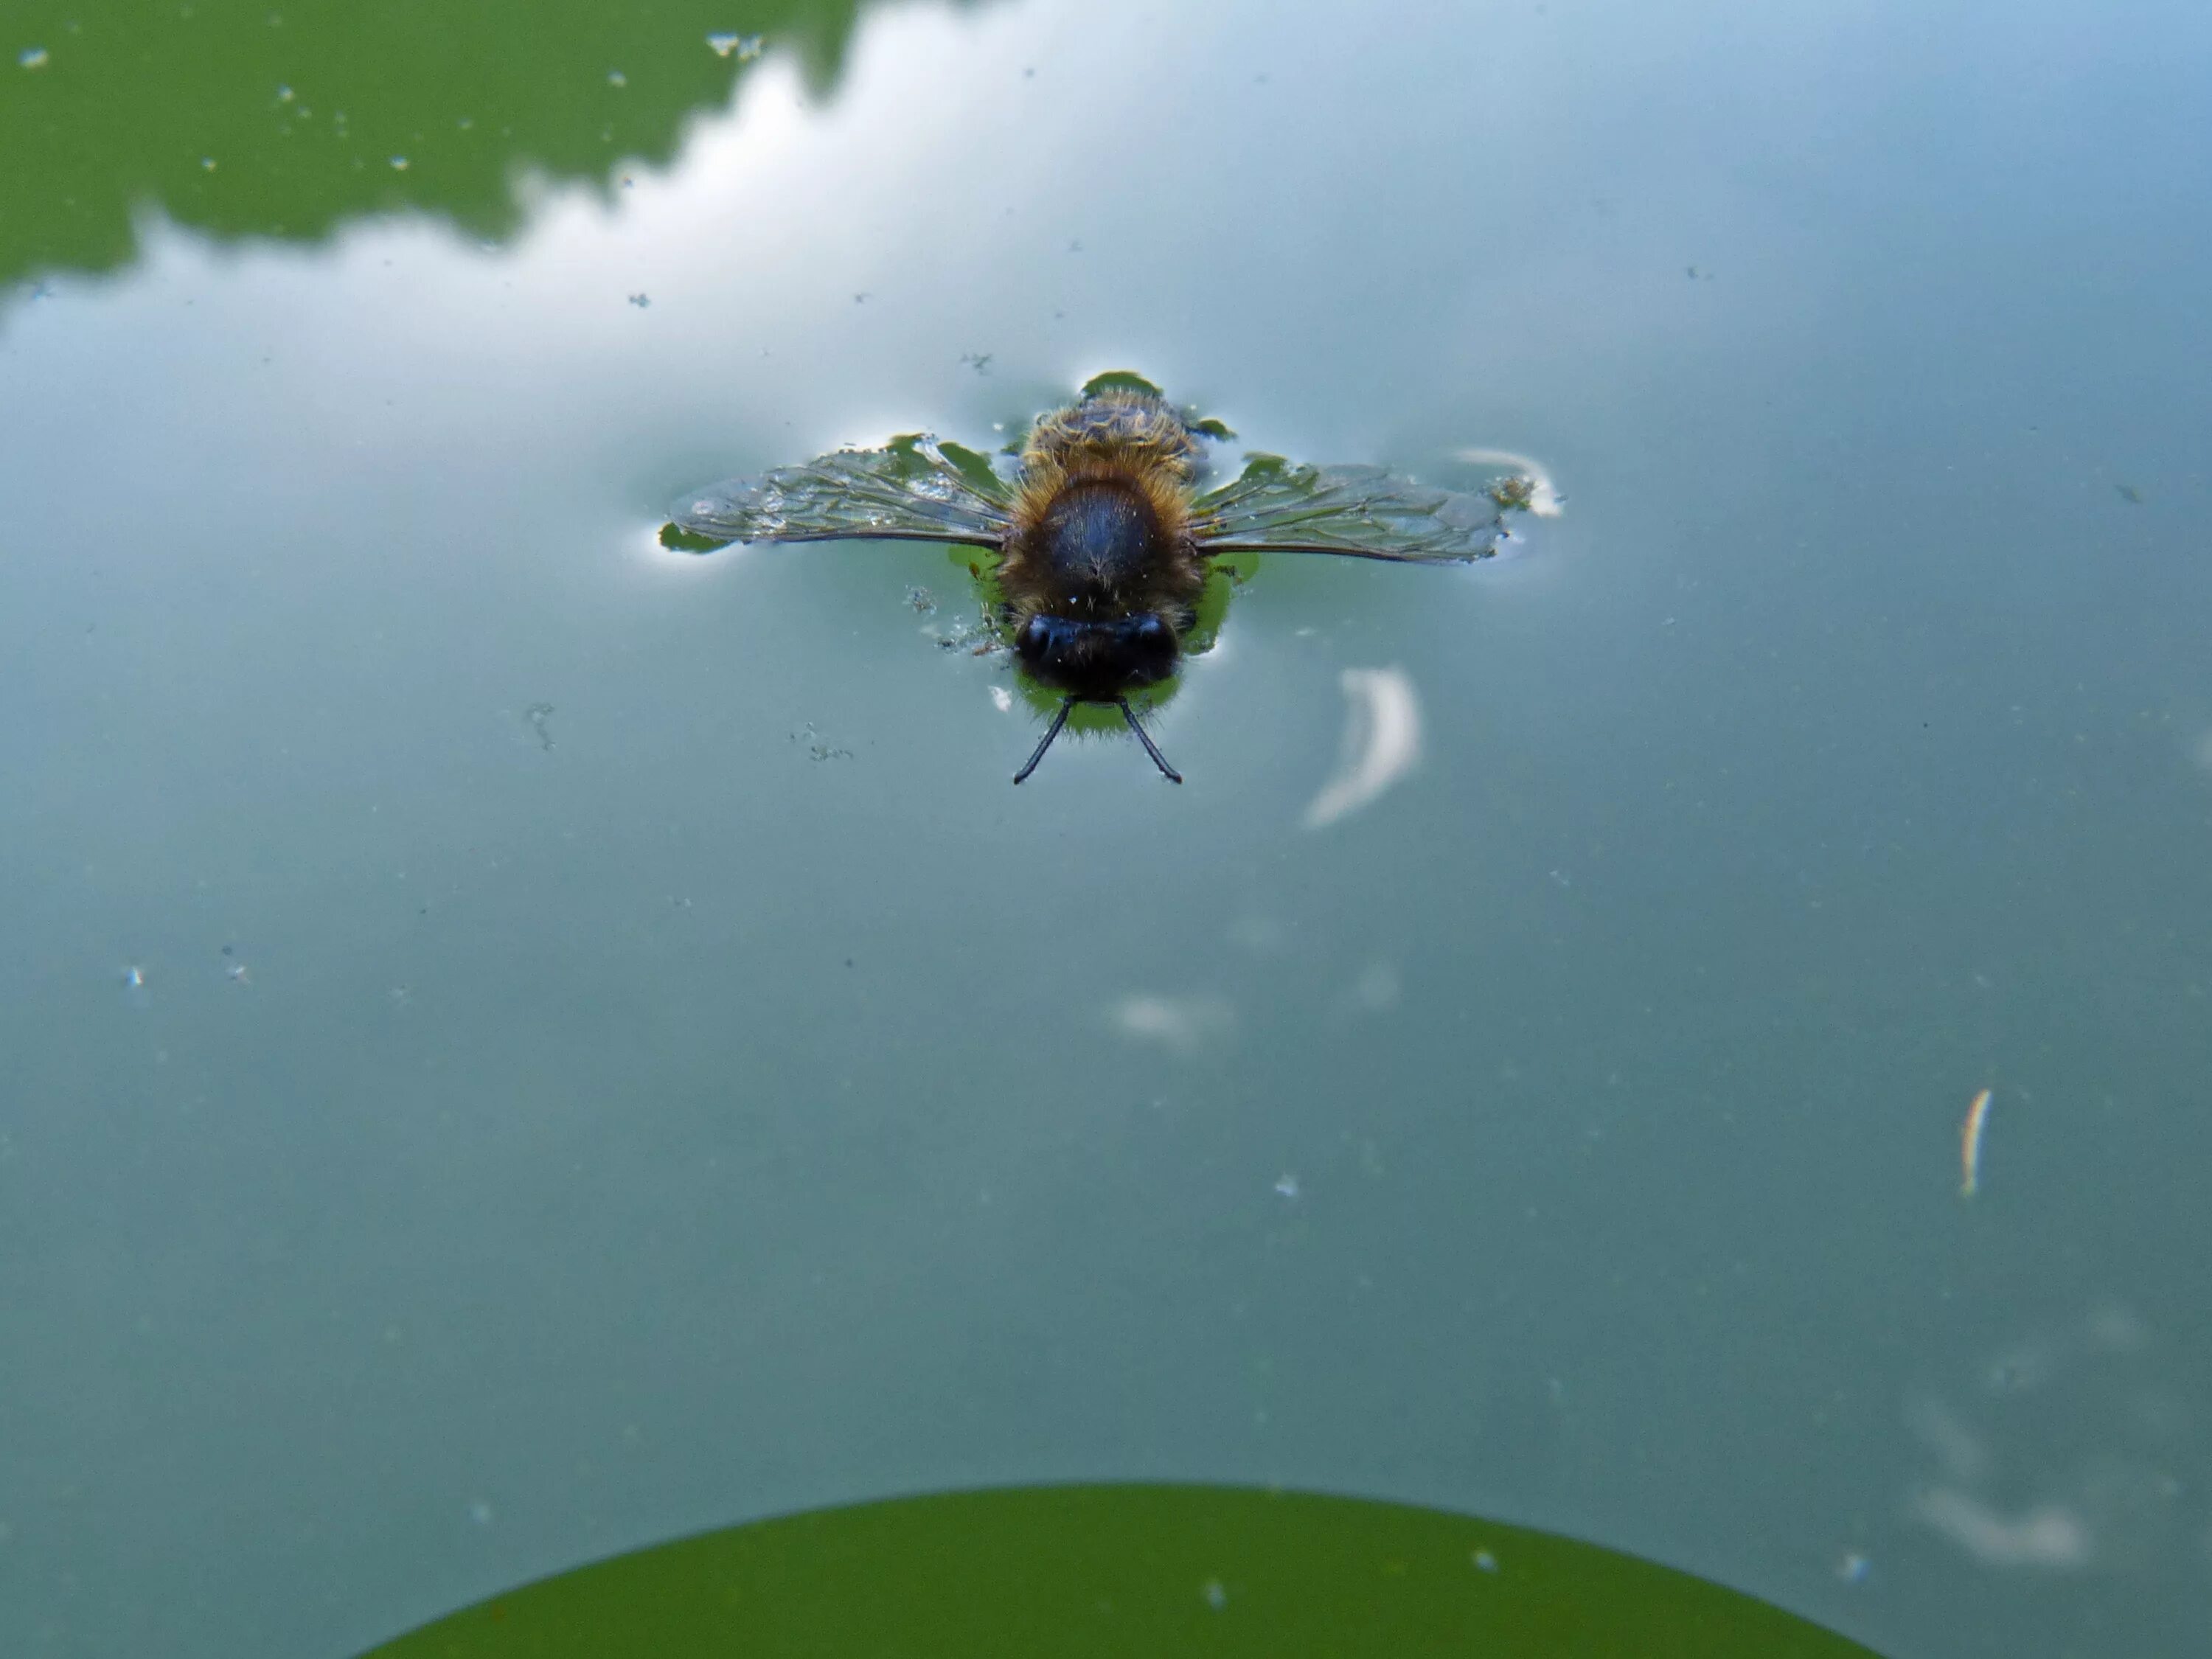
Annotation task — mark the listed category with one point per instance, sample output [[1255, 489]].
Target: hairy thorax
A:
[[1102, 516]]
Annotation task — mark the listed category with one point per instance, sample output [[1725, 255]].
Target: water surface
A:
[[610, 1055]]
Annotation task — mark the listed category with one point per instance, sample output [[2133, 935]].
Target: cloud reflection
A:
[[1381, 742], [2072, 1449], [1181, 1024], [2048, 1535]]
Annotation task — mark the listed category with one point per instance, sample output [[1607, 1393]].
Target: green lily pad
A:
[[1071, 1572]]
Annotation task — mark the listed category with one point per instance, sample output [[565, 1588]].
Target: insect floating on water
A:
[[1102, 529]]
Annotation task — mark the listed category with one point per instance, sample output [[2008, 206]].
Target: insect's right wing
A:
[[913, 490], [1276, 506]]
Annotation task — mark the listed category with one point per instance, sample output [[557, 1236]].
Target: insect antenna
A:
[[1051, 731], [1143, 736]]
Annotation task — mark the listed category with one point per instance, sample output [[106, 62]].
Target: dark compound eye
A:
[[1035, 636], [1153, 636]]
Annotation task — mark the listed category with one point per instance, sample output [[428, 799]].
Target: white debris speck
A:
[[1853, 1568], [399, 164], [1483, 1560], [207, 163], [745, 47], [617, 78], [1002, 699], [1217, 1596], [32, 57], [1287, 1184], [134, 978], [283, 95]]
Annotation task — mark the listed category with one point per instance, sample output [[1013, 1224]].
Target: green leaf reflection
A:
[[286, 118]]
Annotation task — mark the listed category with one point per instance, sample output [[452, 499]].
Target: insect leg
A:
[[1051, 731], [1145, 739]]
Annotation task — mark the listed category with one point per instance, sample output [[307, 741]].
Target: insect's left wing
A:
[[1276, 506], [913, 490]]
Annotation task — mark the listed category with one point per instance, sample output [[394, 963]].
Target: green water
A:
[[613, 1056]]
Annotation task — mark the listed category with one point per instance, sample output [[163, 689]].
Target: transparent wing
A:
[[913, 490], [1276, 506]]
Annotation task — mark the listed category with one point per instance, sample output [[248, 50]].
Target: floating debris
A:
[[640, 300], [1529, 488], [399, 164], [1518, 494], [1483, 1560], [921, 600], [978, 360], [816, 748], [617, 78], [743, 48], [1970, 1145], [1853, 1568], [1216, 1595], [1287, 1184], [977, 636], [1002, 699], [2129, 493], [31, 57], [207, 164], [536, 714]]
